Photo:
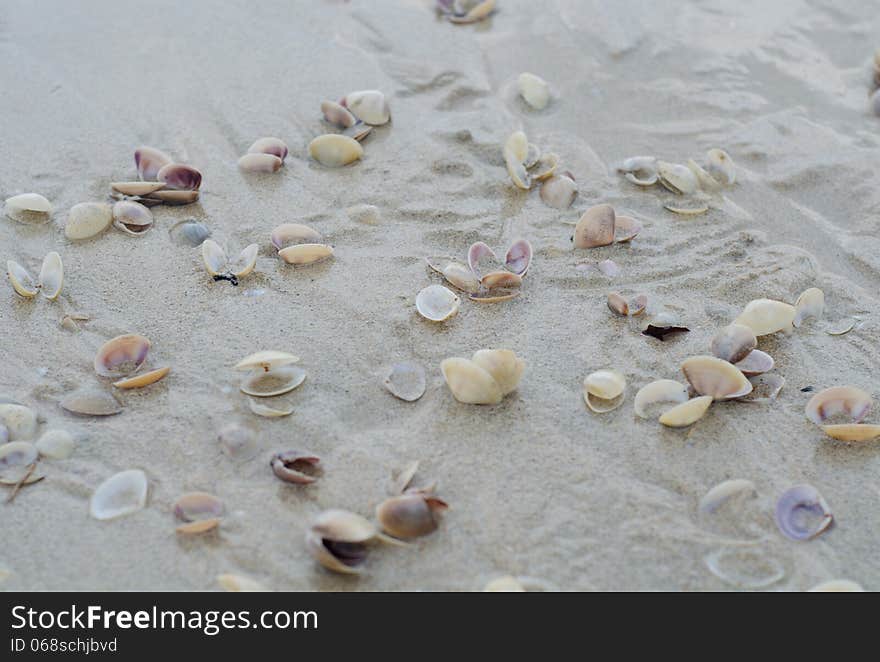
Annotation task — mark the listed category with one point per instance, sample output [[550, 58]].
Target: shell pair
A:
[[737, 344], [264, 156], [718, 172], [465, 11], [29, 208], [299, 244], [122, 357], [766, 316], [48, 283], [484, 379], [219, 267], [200, 512], [162, 181], [356, 114], [604, 390], [270, 373], [525, 163], [847, 401], [601, 226]]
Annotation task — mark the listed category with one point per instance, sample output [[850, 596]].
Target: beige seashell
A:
[[288, 234], [28, 208], [662, 390], [91, 403], [706, 181], [712, 376], [519, 175], [217, 265], [620, 306], [852, 431], [70, 322], [534, 90], [505, 584], [364, 213], [625, 229], [259, 163], [723, 492], [503, 365], [733, 343], [369, 106], [687, 413], [847, 400], [532, 156], [338, 539], [289, 466], [410, 515], [559, 191], [437, 303], [640, 170], [239, 584], [132, 217], [121, 494], [179, 177], [837, 586], [137, 188], [470, 383], [504, 279], [677, 178], [603, 390], [766, 316], [401, 478], [461, 277], [282, 379], [56, 444], [266, 360], [21, 280], [171, 197], [139, 381], [245, 262], [88, 219], [20, 421], [201, 512], [471, 11], [358, 131], [337, 114], [545, 167], [122, 355], [269, 145], [810, 304], [334, 150], [721, 167], [304, 254], [261, 409], [686, 211], [406, 381], [494, 296], [595, 227], [842, 327], [214, 257], [516, 147], [755, 363], [149, 161]]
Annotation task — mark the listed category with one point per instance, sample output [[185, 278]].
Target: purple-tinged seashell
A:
[[274, 146], [289, 466], [802, 513], [477, 253], [756, 362], [149, 161], [258, 162], [608, 268], [519, 257], [179, 177], [338, 114]]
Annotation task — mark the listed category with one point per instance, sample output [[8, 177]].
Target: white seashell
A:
[[516, 147], [662, 390], [460, 276], [437, 303], [28, 208], [245, 262], [406, 381], [132, 217], [214, 257], [91, 403], [849, 400], [469, 383], [16, 460], [266, 360], [266, 411], [20, 421], [533, 155], [603, 390], [755, 363], [175, 197], [21, 280], [503, 365], [56, 444], [139, 189], [766, 316], [88, 219], [721, 167], [810, 304], [237, 442], [289, 234], [369, 106], [479, 255], [273, 146], [559, 191], [534, 90], [640, 170], [364, 213], [358, 131], [258, 162], [725, 491], [626, 229], [677, 178], [837, 586], [687, 413], [545, 167], [239, 584], [334, 150], [303, 254], [686, 211], [121, 494], [262, 383]]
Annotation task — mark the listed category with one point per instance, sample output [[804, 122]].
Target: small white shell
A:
[[603, 390], [505, 367], [765, 316], [687, 413], [469, 383], [51, 278], [28, 208], [437, 303], [266, 360], [273, 146], [21, 280], [677, 178], [722, 492], [706, 181], [369, 106], [721, 167], [559, 191], [20, 421], [662, 390], [811, 303], [406, 381], [278, 381], [245, 262], [56, 444], [88, 219], [121, 494], [338, 114], [16, 458], [534, 90], [290, 234], [214, 257], [334, 150], [516, 147], [595, 227]]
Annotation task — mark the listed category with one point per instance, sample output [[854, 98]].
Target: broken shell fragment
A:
[[519, 257], [810, 304], [264, 410], [469, 383], [766, 316], [852, 431], [289, 234], [406, 381], [201, 512], [532, 156], [358, 131], [662, 390], [723, 492], [677, 178], [179, 177], [534, 90], [190, 233], [121, 355], [437, 303], [20, 421], [338, 114], [595, 227], [277, 381], [603, 390], [290, 466], [802, 513], [504, 366], [21, 280], [259, 162], [755, 363], [720, 166], [121, 494], [139, 381], [334, 150], [237, 441], [132, 217], [91, 403], [266, 360], [494, 296], [88, 219], [733, 343], [55, 444], [137, 189], [686, 211], [149, 161], [304, 254], [686, 413], [559, 191], [273, 146], [28, 208], [369, 106], [338, 539], [626, 229], [848, 400], [712, 376], [410, 515]]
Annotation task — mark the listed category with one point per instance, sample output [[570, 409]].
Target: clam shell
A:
[[687, 413], [626, 229], [519, 175], [534, 90], [288, 234], [723, 492], [479, 254], [334, 150], [494, 296], [213, 257], [21, 280], [504, 279], [261, 383], [303, 254], [237, 441], [766, 316], [677, 178], [137, 188], [28, 208], [620, 306], [471, 11], [603, 390], [437, 303], [516, 147], [369, 106], [848, 400], [266, 360], [595, 227], [358, 131], [706, 181], [264, 410], [720, 166], [149, 161], [190, 233], [56, 444], [289, 464], [409, 515], [174, 197], [461, 277], [532, 156], [810, 304], [201, 511], [755, 363], [273, 146], [686, 211], [121, 494], [91, 403], [245, 262], [837, 586], [88, 219], [470, 383], [258, 162], [559, 192], [179, 177], [519, 257], [802, 513], [733, 343], [145, 379], [122, 355], [712, 376], [337, 540], [132, 217], [640, 170], [503, 365], [662, 390], [20, 421], [852, 431], [337, 114], [406, 381], [545, 167], [16, 460]]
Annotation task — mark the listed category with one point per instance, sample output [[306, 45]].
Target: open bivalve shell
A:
[[604, 390], [534, 90], [437, 303], [339, 540], [766, 316], [515, 152], [122, 355], [660, 391], [271, 146], [369, 106], [802, 513], [721, 167], [149, 161], [259, 163], [485, 379], [410, 515], [755, 363], [291, 466], [201, 512], [278, 381], [28, 208], [618, 305], [847, 400], [709, 375], [218, 266], [121, 494], [49, 283], [131, 217], [677, 178]]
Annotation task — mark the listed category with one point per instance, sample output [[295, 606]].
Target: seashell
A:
[[266, 360], [410, 515], [369, 106], [132, 217], [686, 211], [88, 219], [519, 257], [558, 192], [16, 462], [504, 279], [766, 316], [55, 444], [358, 131], [534, 90], [533, 155], [237, 441], [121, 494], [338, 539], [837, 586], [687, 413], [505, 584], [461, 277], [21, 280], [849, 400], [755, 363], [273, 146], [519, 175], [245, 262], [69, 322], [608, 268], [545, 167], [595, 227], [620, 306], [662, 390], [139, 381], [676, 178], [179, 177], [706, 181], [201, 512], [304, 254], [289, 466], [402, 478], [20, 421], [406, 381], [842, 327], [765, 388], [239, 584], [733, 343], [479, 254], [149, 161], [662, 325], [720, 166], [217, 265], [191, 233], [503, 365], [470, 383], [744, 568], [28, 208], [603, 390], [258, 162], [262, 383], [712, 376], [437, 303], [91, 403], [802, 513], [137, 189], [515, 152], [288, 234], [852, 431], [640, 170], [494, 296], [122, 355], [625, 229], [470, 11], [266, 411], [363, 213], [810, 304], [338, 114], [723, 492], [173, 197], [334, 150]]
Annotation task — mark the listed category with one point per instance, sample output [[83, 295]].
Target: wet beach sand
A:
[[538, 485]]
